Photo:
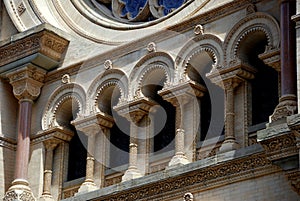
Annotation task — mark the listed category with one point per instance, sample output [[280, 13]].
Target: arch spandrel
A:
[[71, 91], [256, 22]]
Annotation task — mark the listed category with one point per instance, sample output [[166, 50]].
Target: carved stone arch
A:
[[254, 23], [159, 62], [112, 77], [73, 94], [206, 42]]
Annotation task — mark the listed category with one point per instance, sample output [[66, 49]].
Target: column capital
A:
[[90, 125], [135, 110], [51, 143], [237, 71], [56, 134], [182, 93], [27, 82], [271, 57]]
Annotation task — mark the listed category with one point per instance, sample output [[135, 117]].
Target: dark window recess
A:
[[205, 116], [77, 157], [264, 91], [119, 138], [164, 134]]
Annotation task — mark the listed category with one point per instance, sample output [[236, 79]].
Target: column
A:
[[94, 126], [230, 142], [26, 83], [134, 111], [288, 101], [133, 172], [50, 145], [182, 96], [179, 158]]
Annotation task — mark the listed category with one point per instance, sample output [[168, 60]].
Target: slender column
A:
[[230, 141], [133, 172], [288, 102], [50, 145], [26, 83], [179, 158]]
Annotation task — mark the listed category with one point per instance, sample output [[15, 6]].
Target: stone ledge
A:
[[211, 172]]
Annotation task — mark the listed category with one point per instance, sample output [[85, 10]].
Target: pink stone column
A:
[[23, 146]]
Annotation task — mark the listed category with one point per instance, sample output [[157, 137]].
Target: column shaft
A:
[[229, 134], [288, 48], [23, 146]]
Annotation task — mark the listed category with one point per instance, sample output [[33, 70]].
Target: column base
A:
[[19, 191], [228, 145], [177, 160], [287, 106], [46, 198], [131, 173], [87, 186]]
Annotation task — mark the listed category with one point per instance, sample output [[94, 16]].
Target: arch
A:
[[62, 97], [208, 43], [112, 77], [254, 23], [155, 63]]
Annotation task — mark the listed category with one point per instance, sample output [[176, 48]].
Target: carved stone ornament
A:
[[108, 64], [48, 47], [19, 191], [287, 106], [151, 47], [65, 79], [198, 29], [27, 82], [188, 197], [294, 178]]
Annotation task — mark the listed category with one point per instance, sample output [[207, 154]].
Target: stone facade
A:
[[195, 100]]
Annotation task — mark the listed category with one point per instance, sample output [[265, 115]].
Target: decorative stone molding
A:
[[43, 42], [198, 29], [27, 82], [151, 47], [256, 22], [19, 192], [294, 178], [205, 178], [135, 110], [188, 197], [271, 57], [65, 79], [54, 134], [108, 65], [287, 106], [66, 92], [251, 8], [21, 8]]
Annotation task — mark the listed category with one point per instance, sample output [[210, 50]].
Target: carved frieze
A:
[[203, 178], [45, 42]]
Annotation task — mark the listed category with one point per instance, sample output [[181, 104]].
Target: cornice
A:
[[41, 46], [8, 143]]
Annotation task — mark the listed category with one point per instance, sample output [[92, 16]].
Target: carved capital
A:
[[271, 57], [56, 134], [231, 83], [237, 71], [51, 143], [19, 191], [27, 82], [182, 93], [91, 125], [135, 110]]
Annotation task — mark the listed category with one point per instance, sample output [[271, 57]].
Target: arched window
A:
[[120, 131], [77, 153], [264, 86]]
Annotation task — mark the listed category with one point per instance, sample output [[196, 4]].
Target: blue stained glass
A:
[[133, 7], [170, 5]]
